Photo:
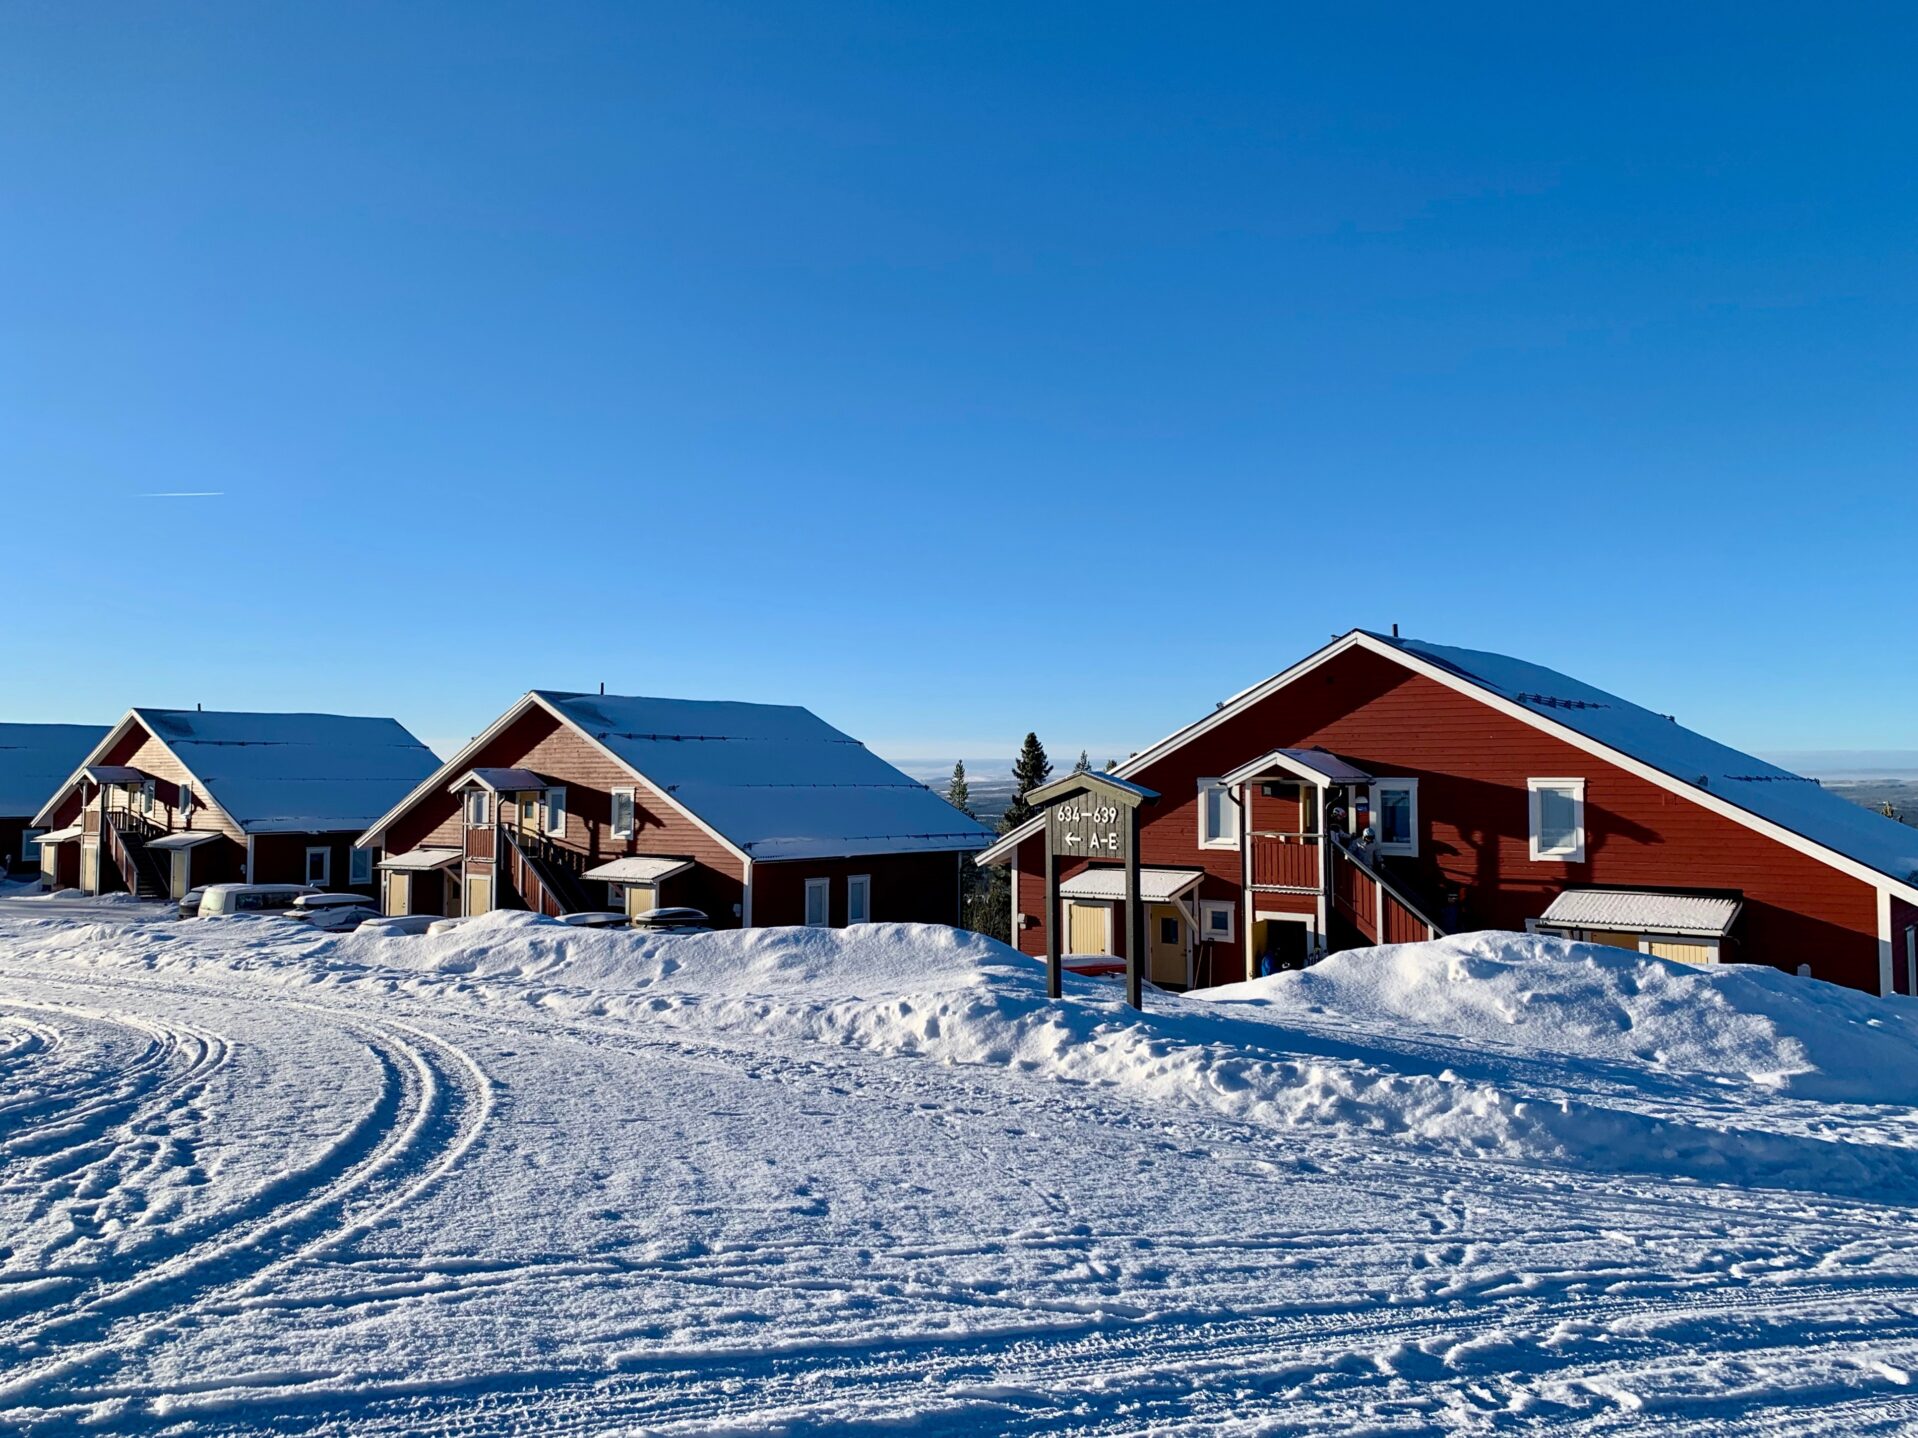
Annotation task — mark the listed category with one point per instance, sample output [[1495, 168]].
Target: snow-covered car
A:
[[673, 921], [334, 913], [223, 900], [190, 902], [393, 926], [596, 919], [446, 926]]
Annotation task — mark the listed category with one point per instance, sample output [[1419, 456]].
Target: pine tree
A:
[[1084, 766], [1029, 771], [959, 792]]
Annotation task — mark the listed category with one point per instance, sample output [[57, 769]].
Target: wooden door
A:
[[398, 892], [182, 872], [1088, 928], [1615, 940], [1684, 952], [1165, 946], [479, 894]]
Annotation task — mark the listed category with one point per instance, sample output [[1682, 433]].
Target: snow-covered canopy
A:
[[294, 773], [115, 774], [774, 779], [1311, 764], [182, 841], [61, 836], [638, 869], [1786, 799], [1156, 886], [419, 861], [1633, 911], [35, 759], [500, 781]]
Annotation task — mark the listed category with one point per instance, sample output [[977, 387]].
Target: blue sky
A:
[[959, 369]]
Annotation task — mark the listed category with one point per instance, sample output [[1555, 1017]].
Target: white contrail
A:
[[184, 494]]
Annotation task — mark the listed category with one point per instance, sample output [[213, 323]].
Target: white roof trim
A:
[[1358, 638], [1296, 762], [638, 869], [501, 779]]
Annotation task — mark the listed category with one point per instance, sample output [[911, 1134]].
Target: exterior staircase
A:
[[540, 878], [145, 874]]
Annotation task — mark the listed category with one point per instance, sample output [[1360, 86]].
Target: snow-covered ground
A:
[[524, 1178]]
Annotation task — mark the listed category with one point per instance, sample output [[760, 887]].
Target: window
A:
[[319, 866], [146, 797], [476, 807], [186, 801], [1558, 819], [859, 899], [529, 807], [360, 866], [1218, 920], [30, 846], [1168, 930], [818, 903], [1395, 815], [1218, 816], [555, 823], [622, 813]]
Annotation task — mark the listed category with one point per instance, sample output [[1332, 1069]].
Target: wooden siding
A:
[[906, 888], [281, 859], [1904, 916], [1472, 764]]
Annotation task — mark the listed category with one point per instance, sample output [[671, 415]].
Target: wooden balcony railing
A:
[[1286, 861], [480, 842]]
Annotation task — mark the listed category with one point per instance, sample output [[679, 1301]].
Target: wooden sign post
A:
[[1094, 816]]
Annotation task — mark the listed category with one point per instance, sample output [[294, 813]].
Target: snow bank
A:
[[1259, 1052], [1553, 996]]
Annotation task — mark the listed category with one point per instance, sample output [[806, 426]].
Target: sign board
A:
[[1089, 826]]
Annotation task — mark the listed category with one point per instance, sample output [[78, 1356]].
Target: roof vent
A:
[[1552, 701]]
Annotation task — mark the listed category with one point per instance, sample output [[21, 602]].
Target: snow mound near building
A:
[[1326, 1048], [1502, 991]]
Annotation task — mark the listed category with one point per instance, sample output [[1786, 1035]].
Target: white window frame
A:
[[552, 818], [30, 847], [1230, 933], [359, 865], [1375, 810], [478, 808], [1223, 841], [631, 796], [861, 884], [1574, 853], [325, 851], [824, 888]]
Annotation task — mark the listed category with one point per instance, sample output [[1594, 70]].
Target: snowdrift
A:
[[1321, 1048]]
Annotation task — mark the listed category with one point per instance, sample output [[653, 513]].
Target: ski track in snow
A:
[[249, 1182]]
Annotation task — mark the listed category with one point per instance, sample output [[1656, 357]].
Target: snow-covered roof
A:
[[421, 860], [35, 759], [1304, 763], [638, 869], [61, 836], [1789, 800], [294, 773], [1156, 886], [500, 781], [1632, 911], [775, 780], [182, 841]]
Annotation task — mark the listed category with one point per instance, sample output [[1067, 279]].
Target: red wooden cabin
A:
[[34, 758], [174, 799], [1498, 794], [755, 814]]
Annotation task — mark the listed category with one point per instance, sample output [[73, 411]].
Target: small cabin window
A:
[[477, 807], [622, 813], [859, 899], [1395, 816], [1218, 816], [1558, 820], [818, 903], [360, 866], [1218, 921], [319, 866]]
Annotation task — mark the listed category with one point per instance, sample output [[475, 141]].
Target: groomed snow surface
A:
[[528, 1178]]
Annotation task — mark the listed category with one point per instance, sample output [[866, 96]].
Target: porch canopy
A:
[[419, 861], [1705, 916], [501, 781], [1156, 886], [62, 836], [115, 774], [1314, 766], [638, 869], [184, 841]]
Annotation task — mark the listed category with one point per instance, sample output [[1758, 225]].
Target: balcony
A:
[[1287, 861]]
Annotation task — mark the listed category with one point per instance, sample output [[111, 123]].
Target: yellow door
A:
[[398, 894], [90, 868], [1087, 929], [1616, 940], [640, 898], [479, 893], [1165, 943], [182, 865], [1685, 953]]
